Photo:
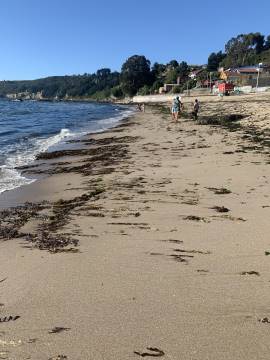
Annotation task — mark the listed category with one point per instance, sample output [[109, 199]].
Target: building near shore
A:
[[255, 75]]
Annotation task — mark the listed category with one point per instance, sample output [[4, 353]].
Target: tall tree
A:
[[242, 50], [183, 71], [173, 64], [135, 74], [267, 43], [258, 42], [158, 70], [214, 60]]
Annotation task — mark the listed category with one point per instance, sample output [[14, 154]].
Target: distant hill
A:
[[86, 85]]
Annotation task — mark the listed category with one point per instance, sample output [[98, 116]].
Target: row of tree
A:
[[137, 76], [245, 49]]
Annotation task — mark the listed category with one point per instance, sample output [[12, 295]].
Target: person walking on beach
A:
[[196, 108], [177, 106], [143, 107]]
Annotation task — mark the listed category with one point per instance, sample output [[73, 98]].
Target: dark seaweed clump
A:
[[12, 219], [46, 237], [229, 121]]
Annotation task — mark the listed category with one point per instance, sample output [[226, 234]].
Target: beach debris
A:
[[58, 357], [191, 202], [58, 329], [233, 218], [95, 214], [3, 280], [106, 140], [46, 237], [12, 219], [32, 341], [179, 258], [228, 121], [173, 241], [193, 251], [229, 217], [152, 351], [219, 191], [220, 209], [250, 273], [267, 253], [141, 225], [202, 271], [9, 318], [195, 218], [54, 243], [264, 320]]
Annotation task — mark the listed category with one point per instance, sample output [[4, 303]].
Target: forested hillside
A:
[[137, 76]]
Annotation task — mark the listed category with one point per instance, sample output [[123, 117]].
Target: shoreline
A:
[[62, 145], [155, 235]]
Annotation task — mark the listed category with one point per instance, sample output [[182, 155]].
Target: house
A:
[[193, 75], [247, 75]]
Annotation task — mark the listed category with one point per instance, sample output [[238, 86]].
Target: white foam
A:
[[11, 178]]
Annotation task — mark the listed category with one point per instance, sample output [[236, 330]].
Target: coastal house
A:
[[193, 74], [247, 75]]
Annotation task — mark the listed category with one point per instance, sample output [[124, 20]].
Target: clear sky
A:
[[56, 37]]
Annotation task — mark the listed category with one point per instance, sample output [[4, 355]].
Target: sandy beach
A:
[[148, 240]]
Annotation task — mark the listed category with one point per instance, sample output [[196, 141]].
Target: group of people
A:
[[178, 107]]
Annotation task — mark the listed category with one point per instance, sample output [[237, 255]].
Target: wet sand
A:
[[155, 242]]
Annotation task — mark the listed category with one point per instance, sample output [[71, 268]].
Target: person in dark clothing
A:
[[196, 108]]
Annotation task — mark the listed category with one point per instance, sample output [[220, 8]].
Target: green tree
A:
[[171, 76], [183, 71], [157, 84], [158, 71], [117, 92], [173, 64], [214, 60], [242, 50], [145, 90], [267, 43], [135, 74]]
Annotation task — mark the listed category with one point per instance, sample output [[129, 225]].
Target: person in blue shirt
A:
[[177, 106]]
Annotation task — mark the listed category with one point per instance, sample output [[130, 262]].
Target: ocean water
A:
[[30, 127]]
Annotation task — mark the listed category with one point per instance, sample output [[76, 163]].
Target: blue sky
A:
[[56, 37]]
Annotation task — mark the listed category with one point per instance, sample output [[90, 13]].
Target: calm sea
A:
[[30, 127]]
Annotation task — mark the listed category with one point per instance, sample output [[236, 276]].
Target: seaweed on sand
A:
[[220, 209], [228, 121], [107, 140], [219, 191], [46, 236], [81, 152], [12, 219]]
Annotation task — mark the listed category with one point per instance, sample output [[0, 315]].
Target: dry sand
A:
[[157, 265]]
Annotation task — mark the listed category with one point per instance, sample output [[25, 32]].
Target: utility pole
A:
[[210, 82], [258, 69]]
